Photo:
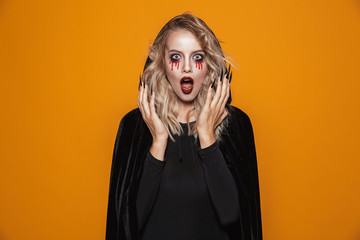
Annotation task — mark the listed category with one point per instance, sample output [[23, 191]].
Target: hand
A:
[[152, 120], [213, 112]]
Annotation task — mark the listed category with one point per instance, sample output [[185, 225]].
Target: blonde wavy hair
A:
[[154, 73]]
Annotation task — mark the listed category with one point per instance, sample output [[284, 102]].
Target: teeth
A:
[[186, 81]]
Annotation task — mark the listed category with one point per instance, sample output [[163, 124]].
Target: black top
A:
[[190, 195]]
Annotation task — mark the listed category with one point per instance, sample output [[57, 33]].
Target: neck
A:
[[186, 112]]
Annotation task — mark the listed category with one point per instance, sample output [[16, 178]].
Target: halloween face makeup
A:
[[184, 64]]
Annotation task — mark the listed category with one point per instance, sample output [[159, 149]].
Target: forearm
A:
[[221, 184], [148, 187], [158, 148]]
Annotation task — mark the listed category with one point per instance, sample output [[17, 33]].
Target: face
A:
[[184, 64]]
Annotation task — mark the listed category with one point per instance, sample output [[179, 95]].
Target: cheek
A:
[[172, 75], [201, 69]]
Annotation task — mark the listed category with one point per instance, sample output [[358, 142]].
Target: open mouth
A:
[[187, 84]]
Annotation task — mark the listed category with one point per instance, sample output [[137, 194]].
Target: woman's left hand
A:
[[213, 112]]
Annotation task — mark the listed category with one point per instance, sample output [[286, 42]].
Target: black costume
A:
[[176, 193], [131, 153]]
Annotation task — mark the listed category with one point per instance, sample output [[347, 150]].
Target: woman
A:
[[184, 163]]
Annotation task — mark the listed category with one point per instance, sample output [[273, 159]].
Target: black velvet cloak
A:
[[132, 143]]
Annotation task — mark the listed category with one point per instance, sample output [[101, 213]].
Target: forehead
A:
[[182, 40]]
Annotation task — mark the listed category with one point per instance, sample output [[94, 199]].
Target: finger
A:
[[152, 111], [226, 93], [140, 99], [217, 94], [140, 82], [228, 71], [223, 93], [228, 76], [218, 103], [139, 94], [222, 117], [145, 102], [222, 75], [152, 105], [208, 97]]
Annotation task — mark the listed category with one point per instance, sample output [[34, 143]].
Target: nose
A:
[[187, 65]]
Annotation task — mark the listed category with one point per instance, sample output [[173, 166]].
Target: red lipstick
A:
[[186, 84]]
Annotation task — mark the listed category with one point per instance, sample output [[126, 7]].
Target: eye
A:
[[198, 57], [175, 57]]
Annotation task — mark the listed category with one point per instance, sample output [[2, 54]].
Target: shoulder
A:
[[240, 130], [237, 115], [131, 116], [129, 120], [239, 125]]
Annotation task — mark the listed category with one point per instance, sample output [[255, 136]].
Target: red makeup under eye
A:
[[199, 64], [174, 62]]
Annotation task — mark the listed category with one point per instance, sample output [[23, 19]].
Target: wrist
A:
[[160, 140], [157, 148], [206, 139]]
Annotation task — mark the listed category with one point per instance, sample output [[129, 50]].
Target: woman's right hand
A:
[[152, 120]]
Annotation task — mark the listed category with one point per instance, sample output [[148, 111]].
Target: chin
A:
[[188, 100], [187, 97]]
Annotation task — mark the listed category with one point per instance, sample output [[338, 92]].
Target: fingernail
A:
[[212, 85], [140, 81], [228, 72], [230, 77]]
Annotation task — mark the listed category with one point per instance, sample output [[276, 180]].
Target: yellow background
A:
[[69, 71]]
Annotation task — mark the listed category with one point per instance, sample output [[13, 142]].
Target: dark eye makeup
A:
[[176, 57], [198, 57]]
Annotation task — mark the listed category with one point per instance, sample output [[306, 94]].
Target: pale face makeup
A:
[[185, 65]]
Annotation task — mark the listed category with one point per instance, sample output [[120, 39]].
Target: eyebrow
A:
[[174, 50]]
